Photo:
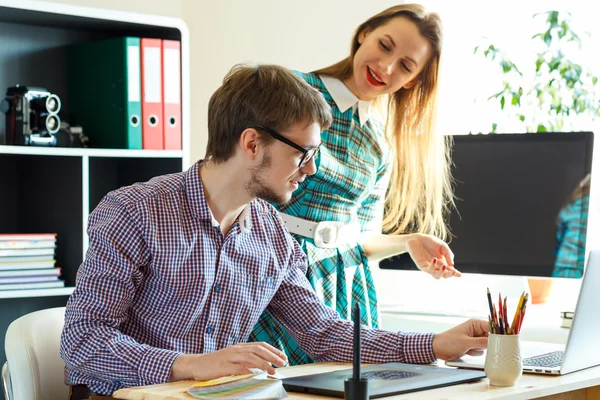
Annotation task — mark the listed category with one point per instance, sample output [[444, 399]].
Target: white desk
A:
[[577, 385]]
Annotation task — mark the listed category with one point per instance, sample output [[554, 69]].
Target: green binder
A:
[[104, 91]]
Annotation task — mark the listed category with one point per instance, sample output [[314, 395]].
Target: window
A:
[[509, 25]]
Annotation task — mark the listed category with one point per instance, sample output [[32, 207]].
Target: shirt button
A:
[[209, 329], [217, 288]]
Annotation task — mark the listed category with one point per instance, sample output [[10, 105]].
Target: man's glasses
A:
[[307, 155]]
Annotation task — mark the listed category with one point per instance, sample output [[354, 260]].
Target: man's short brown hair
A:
[[267, 95]]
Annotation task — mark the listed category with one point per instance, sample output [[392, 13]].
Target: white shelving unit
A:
[[55, 189], [80, 152]]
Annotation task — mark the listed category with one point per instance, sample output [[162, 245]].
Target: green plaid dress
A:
[[349, 186]]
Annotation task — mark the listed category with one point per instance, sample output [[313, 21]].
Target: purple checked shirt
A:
[[160, 279]]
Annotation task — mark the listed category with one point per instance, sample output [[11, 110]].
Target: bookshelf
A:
[[54, 189]]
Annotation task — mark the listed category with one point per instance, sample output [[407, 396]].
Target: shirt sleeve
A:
[[324, 336], [91, 342]]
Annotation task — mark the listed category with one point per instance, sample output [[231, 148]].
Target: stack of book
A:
[[567, 318], [27, 262]]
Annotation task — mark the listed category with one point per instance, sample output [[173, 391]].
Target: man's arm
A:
[[321, 332], [91, 342]]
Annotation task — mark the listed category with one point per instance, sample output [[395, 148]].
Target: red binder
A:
[[152, 127], [171, 61]]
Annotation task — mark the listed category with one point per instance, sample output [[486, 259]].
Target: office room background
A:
[[308, 34]]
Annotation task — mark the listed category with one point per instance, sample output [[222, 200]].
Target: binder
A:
[[104, 91], [152, 125], [171, 82]]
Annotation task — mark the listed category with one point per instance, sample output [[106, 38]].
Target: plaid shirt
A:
[[160, 279]]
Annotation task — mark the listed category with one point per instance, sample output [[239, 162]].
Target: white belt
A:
[[327, 234]]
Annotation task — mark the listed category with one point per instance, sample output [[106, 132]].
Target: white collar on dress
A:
[[345, 99]]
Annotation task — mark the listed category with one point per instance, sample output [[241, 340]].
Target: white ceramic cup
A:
[[503, 364]]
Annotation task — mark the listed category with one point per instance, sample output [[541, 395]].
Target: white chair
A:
[[34, 369]]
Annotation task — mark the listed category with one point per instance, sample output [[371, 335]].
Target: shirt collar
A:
[[197, 199], [345, 99]]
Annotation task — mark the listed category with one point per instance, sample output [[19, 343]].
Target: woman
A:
[[393, 66]]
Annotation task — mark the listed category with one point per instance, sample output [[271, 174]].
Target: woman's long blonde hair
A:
[[420, 192]]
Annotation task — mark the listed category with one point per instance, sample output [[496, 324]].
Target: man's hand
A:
[[467, 338], [233, 360], [432, 255]]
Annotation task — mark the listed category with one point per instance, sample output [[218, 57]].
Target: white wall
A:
[[298, 34], [170, 8]]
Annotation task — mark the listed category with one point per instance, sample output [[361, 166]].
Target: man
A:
[[180, 268]]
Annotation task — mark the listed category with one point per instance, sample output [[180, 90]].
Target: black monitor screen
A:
[[521, 204]]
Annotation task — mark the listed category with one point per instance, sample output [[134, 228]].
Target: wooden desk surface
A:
[[575, 386]]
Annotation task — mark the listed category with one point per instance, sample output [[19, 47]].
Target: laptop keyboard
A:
[[549, 360]]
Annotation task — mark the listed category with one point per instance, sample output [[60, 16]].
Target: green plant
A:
[[555, 93]]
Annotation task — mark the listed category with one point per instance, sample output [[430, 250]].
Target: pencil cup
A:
[[503, 364]]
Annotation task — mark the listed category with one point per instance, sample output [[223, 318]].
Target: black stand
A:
[[356, 389]]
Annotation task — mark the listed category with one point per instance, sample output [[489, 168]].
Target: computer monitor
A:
[[521, 204]]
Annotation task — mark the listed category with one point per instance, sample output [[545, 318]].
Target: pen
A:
[[500, 314], [517, 312], [356, 360], [495, 319], [489, 296], [506, 327]]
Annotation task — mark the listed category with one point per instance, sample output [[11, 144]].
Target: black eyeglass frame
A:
[[307, 155]]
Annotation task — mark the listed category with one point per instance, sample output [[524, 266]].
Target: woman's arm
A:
[[429, 253]]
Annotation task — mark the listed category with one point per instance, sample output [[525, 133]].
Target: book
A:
[[16, 241], [29, 272], [27, 236], [567, 318], [24, 279], [27, 244], [567, 322], [250, 386], [25, 253], [32, 285], [26, 259]]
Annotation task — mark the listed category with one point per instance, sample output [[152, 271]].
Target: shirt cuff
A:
[[155, 366], [417, 348]]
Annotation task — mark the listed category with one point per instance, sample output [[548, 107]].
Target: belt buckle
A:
[[328, 234]]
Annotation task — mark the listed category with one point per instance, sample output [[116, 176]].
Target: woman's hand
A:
[[432, 255]]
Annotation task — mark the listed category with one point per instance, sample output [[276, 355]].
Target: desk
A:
[[575, 386]]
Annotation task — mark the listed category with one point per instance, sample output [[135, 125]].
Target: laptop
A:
[[582, 350], [384, 379]]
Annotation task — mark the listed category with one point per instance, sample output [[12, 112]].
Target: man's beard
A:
[[256, 187]]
